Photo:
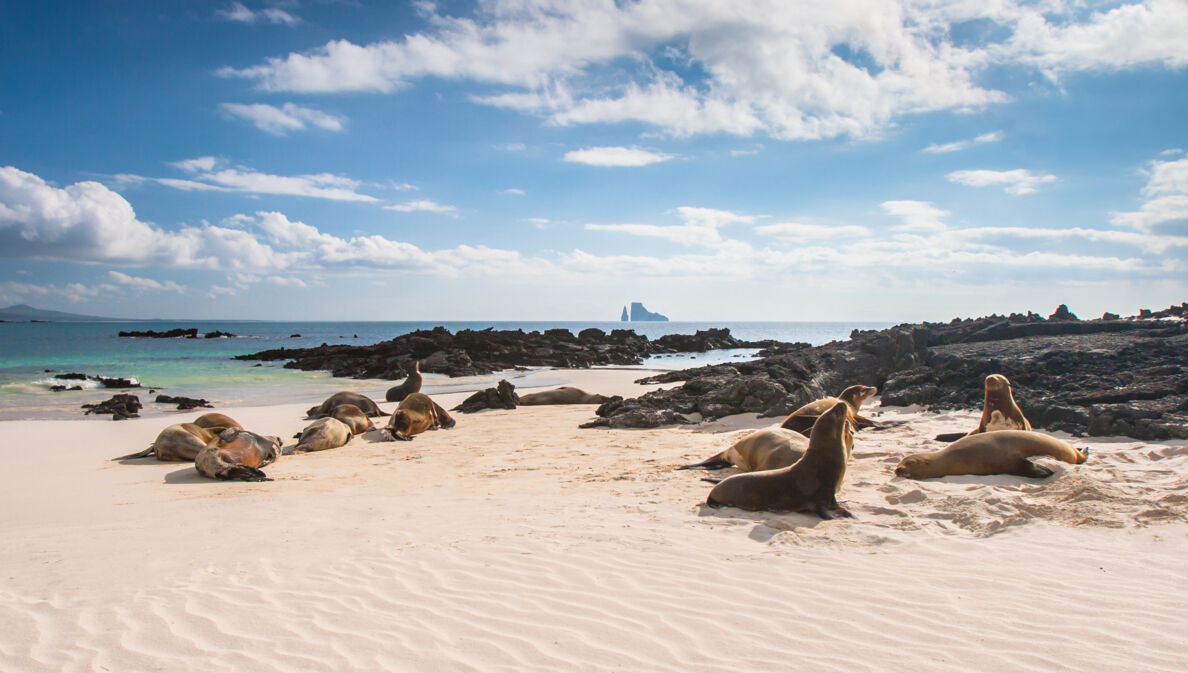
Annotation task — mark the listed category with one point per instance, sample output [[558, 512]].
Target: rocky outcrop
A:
[[178, 333], [641, 314], [121, 407], [184, 403], [502, 397], [105, 381], [474, 352]]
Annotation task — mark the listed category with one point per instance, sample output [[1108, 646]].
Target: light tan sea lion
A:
[[364, 403], [810, 485], [767, 449], [216, 422], [999, 452], [180, 441], [238, 454], [562, 395], [416, 414], [411, 385], [353, 416], [803, 418], [324, 433], [1000, 411]]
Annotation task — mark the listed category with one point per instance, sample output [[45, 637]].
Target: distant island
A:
[[26, 313], [641, 314]]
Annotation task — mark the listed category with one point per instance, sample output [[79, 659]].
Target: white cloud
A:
[[1018, 182], [1166, 195], [992, 137], [700, 227], [423, 205], [805, 70], [283, 120], [210, 174], [514, 192], [239, 13], [616, 156], [18, 293], [404, 187], [797, 231], [144, 283], [918, 216], [1171, 152], [510, 147]]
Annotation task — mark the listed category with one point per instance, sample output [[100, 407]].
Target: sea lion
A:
[[416, 414], [1000, 411], [803, 418], [345, 397], [562, 395], [216, 422], [999, 452], [180, 441], [238, 454], [411, 385], [324, 433], [766, 449], [809, 485], [354, 418]]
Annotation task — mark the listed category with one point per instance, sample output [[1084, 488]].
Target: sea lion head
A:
[[856, 395], [915, 466], [400, 424], [831, 425], [997, 382]]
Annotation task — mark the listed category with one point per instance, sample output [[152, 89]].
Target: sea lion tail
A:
[[139, 454], [242, 473]]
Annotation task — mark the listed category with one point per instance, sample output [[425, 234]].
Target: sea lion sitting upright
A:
[[562, 395], [1000, 411], [416, 414], [411, 385], [180, 441], [238, 454], [766, 449], [364, 403], [324, 433], [810, 485], [999, 452], [216, 422], [803, 418], [353, 417]]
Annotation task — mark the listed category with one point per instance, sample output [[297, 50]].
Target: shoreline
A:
[[518, 541]]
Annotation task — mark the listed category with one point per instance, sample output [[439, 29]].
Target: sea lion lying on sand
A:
[[238, 454], [999, 452], [810, 485], [365, 404], [353, 417], [803, 418], [216, 422], [416, 414], [999, 411], [324, 433], [562, 395], [411, 385], [180, 441], [767, 449]]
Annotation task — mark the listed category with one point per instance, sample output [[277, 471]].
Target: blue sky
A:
[[537, 159]]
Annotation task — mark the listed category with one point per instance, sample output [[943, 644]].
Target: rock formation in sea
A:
[[641, 314], [625, 317]]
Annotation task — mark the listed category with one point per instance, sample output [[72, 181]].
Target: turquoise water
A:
[[205, 368]]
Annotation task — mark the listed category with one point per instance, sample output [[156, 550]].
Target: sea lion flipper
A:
[[242, 473], [950, 436], [713, 480], [139, 454], [1030, 469]]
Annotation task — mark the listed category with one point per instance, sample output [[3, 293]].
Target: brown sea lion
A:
[[411, 385], [1000, 411], [354, 418], [324, 433], [416, 414], [216, 422], [238, 454], [181, 441], [562, 395], [766, 449], [803, 418], [345, 397], [809, 485], [999, 452]]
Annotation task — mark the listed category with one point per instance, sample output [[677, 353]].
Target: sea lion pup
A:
[[416, 414], [767, 449], [180, 441], [353, 416], [803, 418], [238, 454], [809, 485], [345, 397], [411, 385], [999, 452], [216, 422], [324, 433], [562, 395]]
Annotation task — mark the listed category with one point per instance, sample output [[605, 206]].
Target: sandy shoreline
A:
[[519, 542]]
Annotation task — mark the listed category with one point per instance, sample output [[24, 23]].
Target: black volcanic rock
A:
[[191, 333], [217, 335], [502, 397], [184, 403], [121, 406]]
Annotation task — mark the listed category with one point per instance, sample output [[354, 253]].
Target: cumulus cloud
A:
[[1018, 182], [699, 227], [239, 13], [139, 283], [616, 156], [423, 205], [280, 121], [1166, 197], [957, 146], [918, 216], [211, 174], [806, 70], [797, 231]]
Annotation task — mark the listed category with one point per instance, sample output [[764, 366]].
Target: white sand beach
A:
[[519, 542]]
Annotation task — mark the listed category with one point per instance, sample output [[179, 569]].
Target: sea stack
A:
[[641, 314]]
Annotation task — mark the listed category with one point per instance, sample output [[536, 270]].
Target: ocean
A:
[[32, 353]]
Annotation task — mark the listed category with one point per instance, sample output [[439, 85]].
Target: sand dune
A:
[[518, 542]]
